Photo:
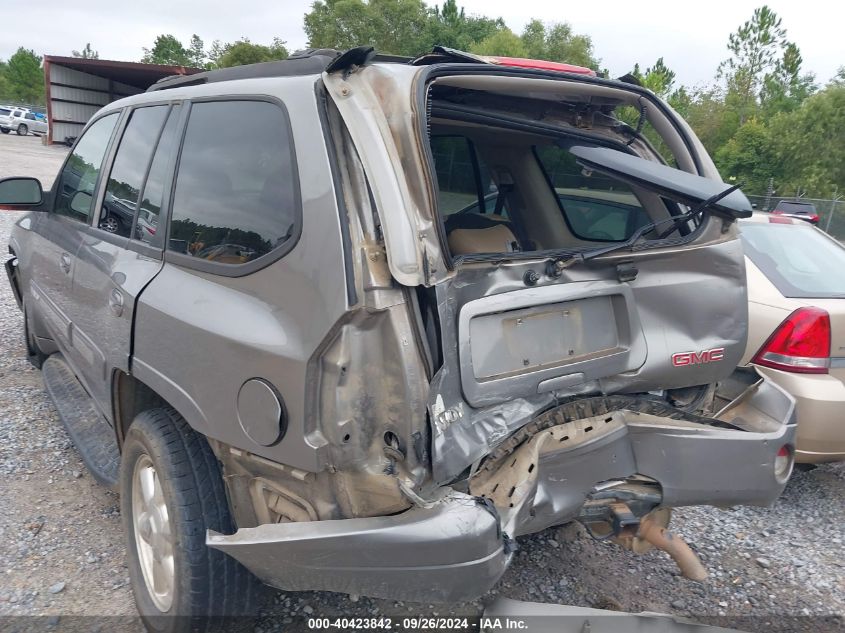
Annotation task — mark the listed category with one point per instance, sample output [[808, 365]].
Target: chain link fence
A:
[[831, 212]]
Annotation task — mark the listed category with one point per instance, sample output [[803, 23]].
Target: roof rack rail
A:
[[311, 61]]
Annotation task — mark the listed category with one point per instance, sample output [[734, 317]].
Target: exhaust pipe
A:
[[608, 515], [653, 532], [661, 538]]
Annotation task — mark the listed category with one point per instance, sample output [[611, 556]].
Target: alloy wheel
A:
[[153, 534]]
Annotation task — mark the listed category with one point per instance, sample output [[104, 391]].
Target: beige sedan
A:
[[796, 337]]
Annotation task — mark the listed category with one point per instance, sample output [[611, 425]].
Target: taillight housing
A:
[[801, 344]]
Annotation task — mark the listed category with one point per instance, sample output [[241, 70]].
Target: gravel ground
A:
[[61, 544]]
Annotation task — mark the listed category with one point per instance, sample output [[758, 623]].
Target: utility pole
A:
[[833, 202]]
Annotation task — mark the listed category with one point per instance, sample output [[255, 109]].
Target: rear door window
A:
[[130, 169], [78, 180], [236, 196], [152, 200], [595, 207]]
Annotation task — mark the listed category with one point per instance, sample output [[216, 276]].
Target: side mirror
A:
[[81, 202], [21, 192]]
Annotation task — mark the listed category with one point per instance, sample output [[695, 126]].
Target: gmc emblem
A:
[[682, 359]]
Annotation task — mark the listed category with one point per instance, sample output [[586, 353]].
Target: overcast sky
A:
[[690, 36]]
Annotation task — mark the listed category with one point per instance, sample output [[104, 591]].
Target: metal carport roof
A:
[[77, 87]]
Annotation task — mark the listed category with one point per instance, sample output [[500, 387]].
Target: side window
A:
[[235, 194], [129, 168], [596, 208], [463, 180], [75, 191], [30, 116], [146, 226]]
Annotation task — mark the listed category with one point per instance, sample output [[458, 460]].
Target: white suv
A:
[[22, 121]]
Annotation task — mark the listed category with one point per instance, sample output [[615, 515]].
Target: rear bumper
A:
[[458, 548], [820, 406], [450, 552]]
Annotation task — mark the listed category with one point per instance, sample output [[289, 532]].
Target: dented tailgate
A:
[[522, 349]]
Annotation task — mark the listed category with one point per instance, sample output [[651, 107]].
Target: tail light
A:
[[801, 344]]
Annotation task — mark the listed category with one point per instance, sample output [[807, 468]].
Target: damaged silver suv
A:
[[403, 313]]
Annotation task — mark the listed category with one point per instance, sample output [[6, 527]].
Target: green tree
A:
[[558, 43], [4, 82], [749, 157], [658, 78], [196, 52], [756, 48], [391, 26], [504, 42], [808, 146], [786, 87], [167, 50], [215, 52], [25, 77], [245, 52], [87, 52], [450, 26], [709, 115]]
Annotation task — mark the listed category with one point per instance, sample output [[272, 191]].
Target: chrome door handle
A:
[[116, 302], [64, 263]]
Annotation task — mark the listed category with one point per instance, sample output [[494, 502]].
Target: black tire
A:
[[33, 354], [22, 130], [5, 130], [111, 224], [211, 591]]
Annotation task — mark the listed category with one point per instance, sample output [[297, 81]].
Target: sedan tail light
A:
[[801, 344]]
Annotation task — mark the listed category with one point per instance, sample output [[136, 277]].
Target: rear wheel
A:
[[23, 130], [171, 493], [5, 130], [110, 224]]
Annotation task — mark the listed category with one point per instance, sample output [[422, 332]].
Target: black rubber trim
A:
[[337, 185]]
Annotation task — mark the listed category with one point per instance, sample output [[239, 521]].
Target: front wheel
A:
[[23, 130], [171, 492], [5, 130]]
